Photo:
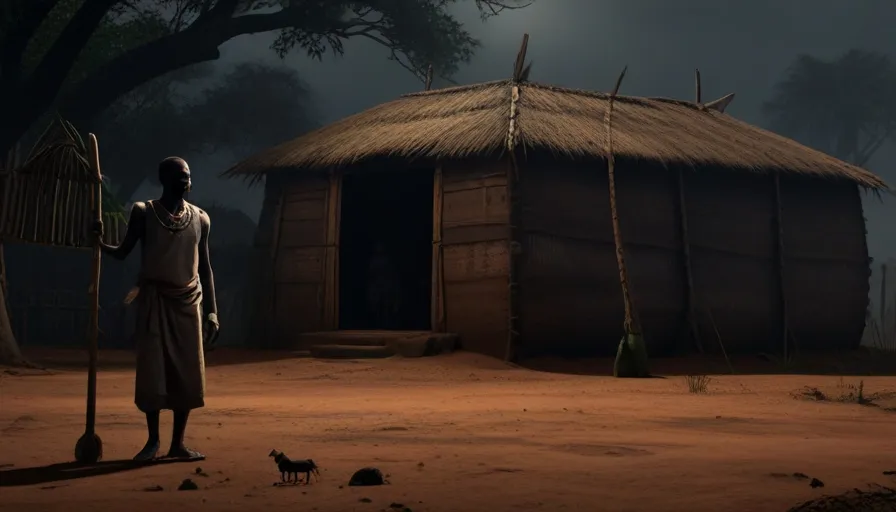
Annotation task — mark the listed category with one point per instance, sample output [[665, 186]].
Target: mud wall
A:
[[475, 254], [570, 298], [826, 262], [290, 259], [732, 236]]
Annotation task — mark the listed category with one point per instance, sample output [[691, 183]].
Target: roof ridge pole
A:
[[512, 127], [513, 174], [631, 356], [698, 88], [520, 60]]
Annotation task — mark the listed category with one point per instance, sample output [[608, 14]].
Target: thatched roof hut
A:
[[495, 199]]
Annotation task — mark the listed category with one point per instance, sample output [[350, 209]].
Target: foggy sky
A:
[[740, 46]]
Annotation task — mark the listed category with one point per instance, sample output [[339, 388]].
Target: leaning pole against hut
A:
[[631, 356]]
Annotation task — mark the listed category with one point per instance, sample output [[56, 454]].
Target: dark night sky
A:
[[740, 46]]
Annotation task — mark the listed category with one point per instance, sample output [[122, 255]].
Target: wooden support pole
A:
[[631, 324], [437, 302], [883, 301], [331, 277], [686, 257], [782, 288], [514, 254], [271, 326], [520, 73]]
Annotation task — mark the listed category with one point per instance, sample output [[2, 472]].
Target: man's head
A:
[[174, 174]]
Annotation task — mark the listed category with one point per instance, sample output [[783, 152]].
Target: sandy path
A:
[[457, 433]]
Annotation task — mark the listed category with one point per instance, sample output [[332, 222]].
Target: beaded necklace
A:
[[173, 222]]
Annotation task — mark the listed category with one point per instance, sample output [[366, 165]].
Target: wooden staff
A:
[[89, 448]]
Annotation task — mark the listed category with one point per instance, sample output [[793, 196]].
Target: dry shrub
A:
[[848, 393], [877, 499], [852, 393], [697, 384]]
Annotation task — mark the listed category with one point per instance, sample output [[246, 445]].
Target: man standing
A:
[[175, 285]]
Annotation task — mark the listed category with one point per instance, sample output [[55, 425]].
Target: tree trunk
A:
[[9, 347]]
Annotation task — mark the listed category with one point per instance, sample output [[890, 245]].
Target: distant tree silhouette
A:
[[845, 107], [251, 108]]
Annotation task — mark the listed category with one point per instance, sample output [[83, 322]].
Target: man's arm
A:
[[135, 230], [206, 276]]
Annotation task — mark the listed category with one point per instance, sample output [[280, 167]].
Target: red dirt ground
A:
[[454, 433]]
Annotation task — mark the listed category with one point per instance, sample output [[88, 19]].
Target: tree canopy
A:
[[79, 56]]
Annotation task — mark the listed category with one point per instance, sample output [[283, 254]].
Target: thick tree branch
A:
[[56, 64], [865, 154], [222, 9], [255, 23], [16, 40], [199, 43], [123, 74], [39, 91]]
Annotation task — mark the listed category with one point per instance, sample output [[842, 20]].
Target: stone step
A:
[[333, 351], [424, 344], [356, 338]]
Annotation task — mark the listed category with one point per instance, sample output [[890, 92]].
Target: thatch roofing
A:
[[473, 121]]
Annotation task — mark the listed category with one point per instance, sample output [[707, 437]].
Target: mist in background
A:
[[741, 47]]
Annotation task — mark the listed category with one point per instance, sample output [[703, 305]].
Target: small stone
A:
[[365, 500], [816, 483], [153, 488], [187, 485]]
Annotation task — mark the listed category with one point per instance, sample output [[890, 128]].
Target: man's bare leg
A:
[[178, 449], [151, 449]]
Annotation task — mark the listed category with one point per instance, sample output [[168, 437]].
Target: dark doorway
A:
[[385, 250]]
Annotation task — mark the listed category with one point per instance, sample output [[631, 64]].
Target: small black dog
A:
[[294, 467]]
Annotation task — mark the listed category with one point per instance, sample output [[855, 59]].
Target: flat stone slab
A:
[[374, 338], [424, 345], [350, 352]]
